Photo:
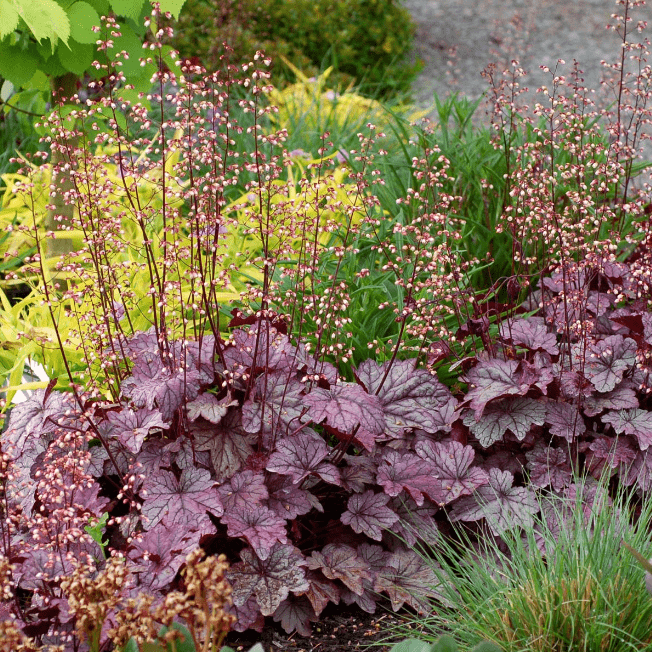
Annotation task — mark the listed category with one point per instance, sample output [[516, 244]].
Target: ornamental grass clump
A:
[[564, 584], [258, 427]]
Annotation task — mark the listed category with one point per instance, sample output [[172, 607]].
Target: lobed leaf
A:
[[410, 398], [346, 407], [451, 462], [503, 506], [270, 580], [515, 414], [368, 513]]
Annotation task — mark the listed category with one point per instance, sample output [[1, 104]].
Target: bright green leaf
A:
[[173, 6], [128, 8], [82, 20], [45, 19], [17, 65], [77, 57], [9, 18]]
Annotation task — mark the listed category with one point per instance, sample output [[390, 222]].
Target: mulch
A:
[[338, 630]]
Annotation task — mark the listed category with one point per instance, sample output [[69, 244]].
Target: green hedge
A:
[[367, 41]]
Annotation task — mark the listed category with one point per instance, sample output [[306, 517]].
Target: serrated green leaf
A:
[[82, 19], [45, 19], [128, 8], [77, 57], [9, 18], [173, 6], [411, 645], [17, 65]]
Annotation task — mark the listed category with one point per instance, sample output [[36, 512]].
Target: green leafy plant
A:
[[367, 43]]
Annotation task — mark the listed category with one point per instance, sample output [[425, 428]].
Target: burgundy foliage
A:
[[319, 491]]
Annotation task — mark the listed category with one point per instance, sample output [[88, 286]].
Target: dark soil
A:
[[340, 629]]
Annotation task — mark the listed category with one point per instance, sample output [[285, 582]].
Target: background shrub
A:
[[367, 42]]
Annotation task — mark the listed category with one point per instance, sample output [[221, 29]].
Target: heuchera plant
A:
[[317, 489]]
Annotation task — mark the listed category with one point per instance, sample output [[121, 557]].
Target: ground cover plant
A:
[[257, 428]]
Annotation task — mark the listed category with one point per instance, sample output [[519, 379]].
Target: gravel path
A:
[[456, 39]]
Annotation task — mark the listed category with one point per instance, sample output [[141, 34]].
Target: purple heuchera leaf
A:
[[565, 420], [605, 362], [288, 500], [515, 414], [229, 445], [164, 389], [451, 462], [130, 427], [321, 591], [410, 398], [341, 562], [295, 613], [632, 422], [269, 580], [640, 471], [610, 451], [207, 406], [503, 506], [408, 578], [358, 473], [531, 333], [415, 522], [368, 513], [260, 526], [346, 407], [276, 404], [620, 398], [159, 553], [180, 501], [303, 455], [548, 467], [31, 418], [248, 615], [496, 378], [407, 471], [272, 350], [245, 489]]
